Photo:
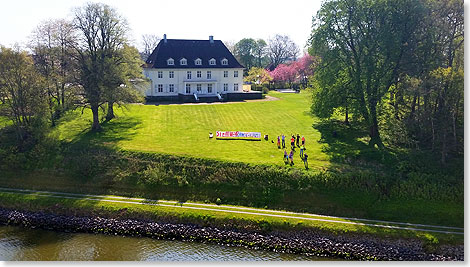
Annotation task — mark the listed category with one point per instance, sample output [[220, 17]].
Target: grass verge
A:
[[215, 218]]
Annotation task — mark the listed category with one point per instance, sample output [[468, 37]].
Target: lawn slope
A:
[[184, 129]]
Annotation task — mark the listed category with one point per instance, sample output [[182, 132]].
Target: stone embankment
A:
[[306, 242]]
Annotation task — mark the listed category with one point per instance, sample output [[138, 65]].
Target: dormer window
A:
[[183, 61], [198, 61], [212, 61], [170, 61], [224, 61]]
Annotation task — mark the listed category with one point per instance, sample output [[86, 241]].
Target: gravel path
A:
[[249, 211]]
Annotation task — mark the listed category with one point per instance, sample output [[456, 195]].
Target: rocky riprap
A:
[[306, 242]]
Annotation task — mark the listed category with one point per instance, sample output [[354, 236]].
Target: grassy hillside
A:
[[184, 129], [164, 152]]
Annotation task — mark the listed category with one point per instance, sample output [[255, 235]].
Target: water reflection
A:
[[35, 245]]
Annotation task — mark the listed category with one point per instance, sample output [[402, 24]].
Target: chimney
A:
[[211, 39], [164, 38]]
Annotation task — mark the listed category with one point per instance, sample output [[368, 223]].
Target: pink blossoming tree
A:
[[305, 66], [296, 71], [284, 73]]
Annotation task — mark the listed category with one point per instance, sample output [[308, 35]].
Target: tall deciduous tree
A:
[[245, 52], [260, 53], [103, 35], [123, 77], [230, 44], [23, 89], [428, 99], [281, 49], [332, 89], [149, 42], [52, 45], [369, 39]]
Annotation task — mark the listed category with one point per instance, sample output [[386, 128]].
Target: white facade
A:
[[209, 81]]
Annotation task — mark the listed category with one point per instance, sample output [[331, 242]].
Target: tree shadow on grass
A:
[[343, 144], [91, 157], [113, 131]]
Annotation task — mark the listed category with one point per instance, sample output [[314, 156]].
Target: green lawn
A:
[[184, 129]]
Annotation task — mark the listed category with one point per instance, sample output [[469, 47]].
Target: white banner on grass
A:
[[238, 134]]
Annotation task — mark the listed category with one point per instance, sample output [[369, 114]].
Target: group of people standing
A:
[[294, 142]]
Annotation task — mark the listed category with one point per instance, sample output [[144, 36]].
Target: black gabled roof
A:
[[191, 50]]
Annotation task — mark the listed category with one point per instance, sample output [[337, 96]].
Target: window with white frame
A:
[[209, 74], [235, 73], [160, 74], [225, 86], [212, 61], [235, 87], [209, 88], [171, 74], [198, 61], [225, 73], [188, 88], [224, 61], [198, 74], [171, 88], [170, 62], [160, 88], [188, 75], [199, 87], [183, 61]]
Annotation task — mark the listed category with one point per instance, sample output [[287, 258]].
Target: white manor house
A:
[[194, 70]]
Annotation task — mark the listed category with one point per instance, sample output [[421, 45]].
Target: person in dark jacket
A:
[[291, 157], [305, 161], [302, 149]]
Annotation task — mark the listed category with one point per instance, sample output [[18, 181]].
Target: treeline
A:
[[395, 65], [86, 62], [261, 54]]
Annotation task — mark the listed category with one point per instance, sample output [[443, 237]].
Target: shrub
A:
[[259, 185], [265, 225]]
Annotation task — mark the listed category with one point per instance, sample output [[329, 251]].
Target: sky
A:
[[179, 19]]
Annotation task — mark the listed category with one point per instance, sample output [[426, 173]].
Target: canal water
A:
[[17, 243]]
